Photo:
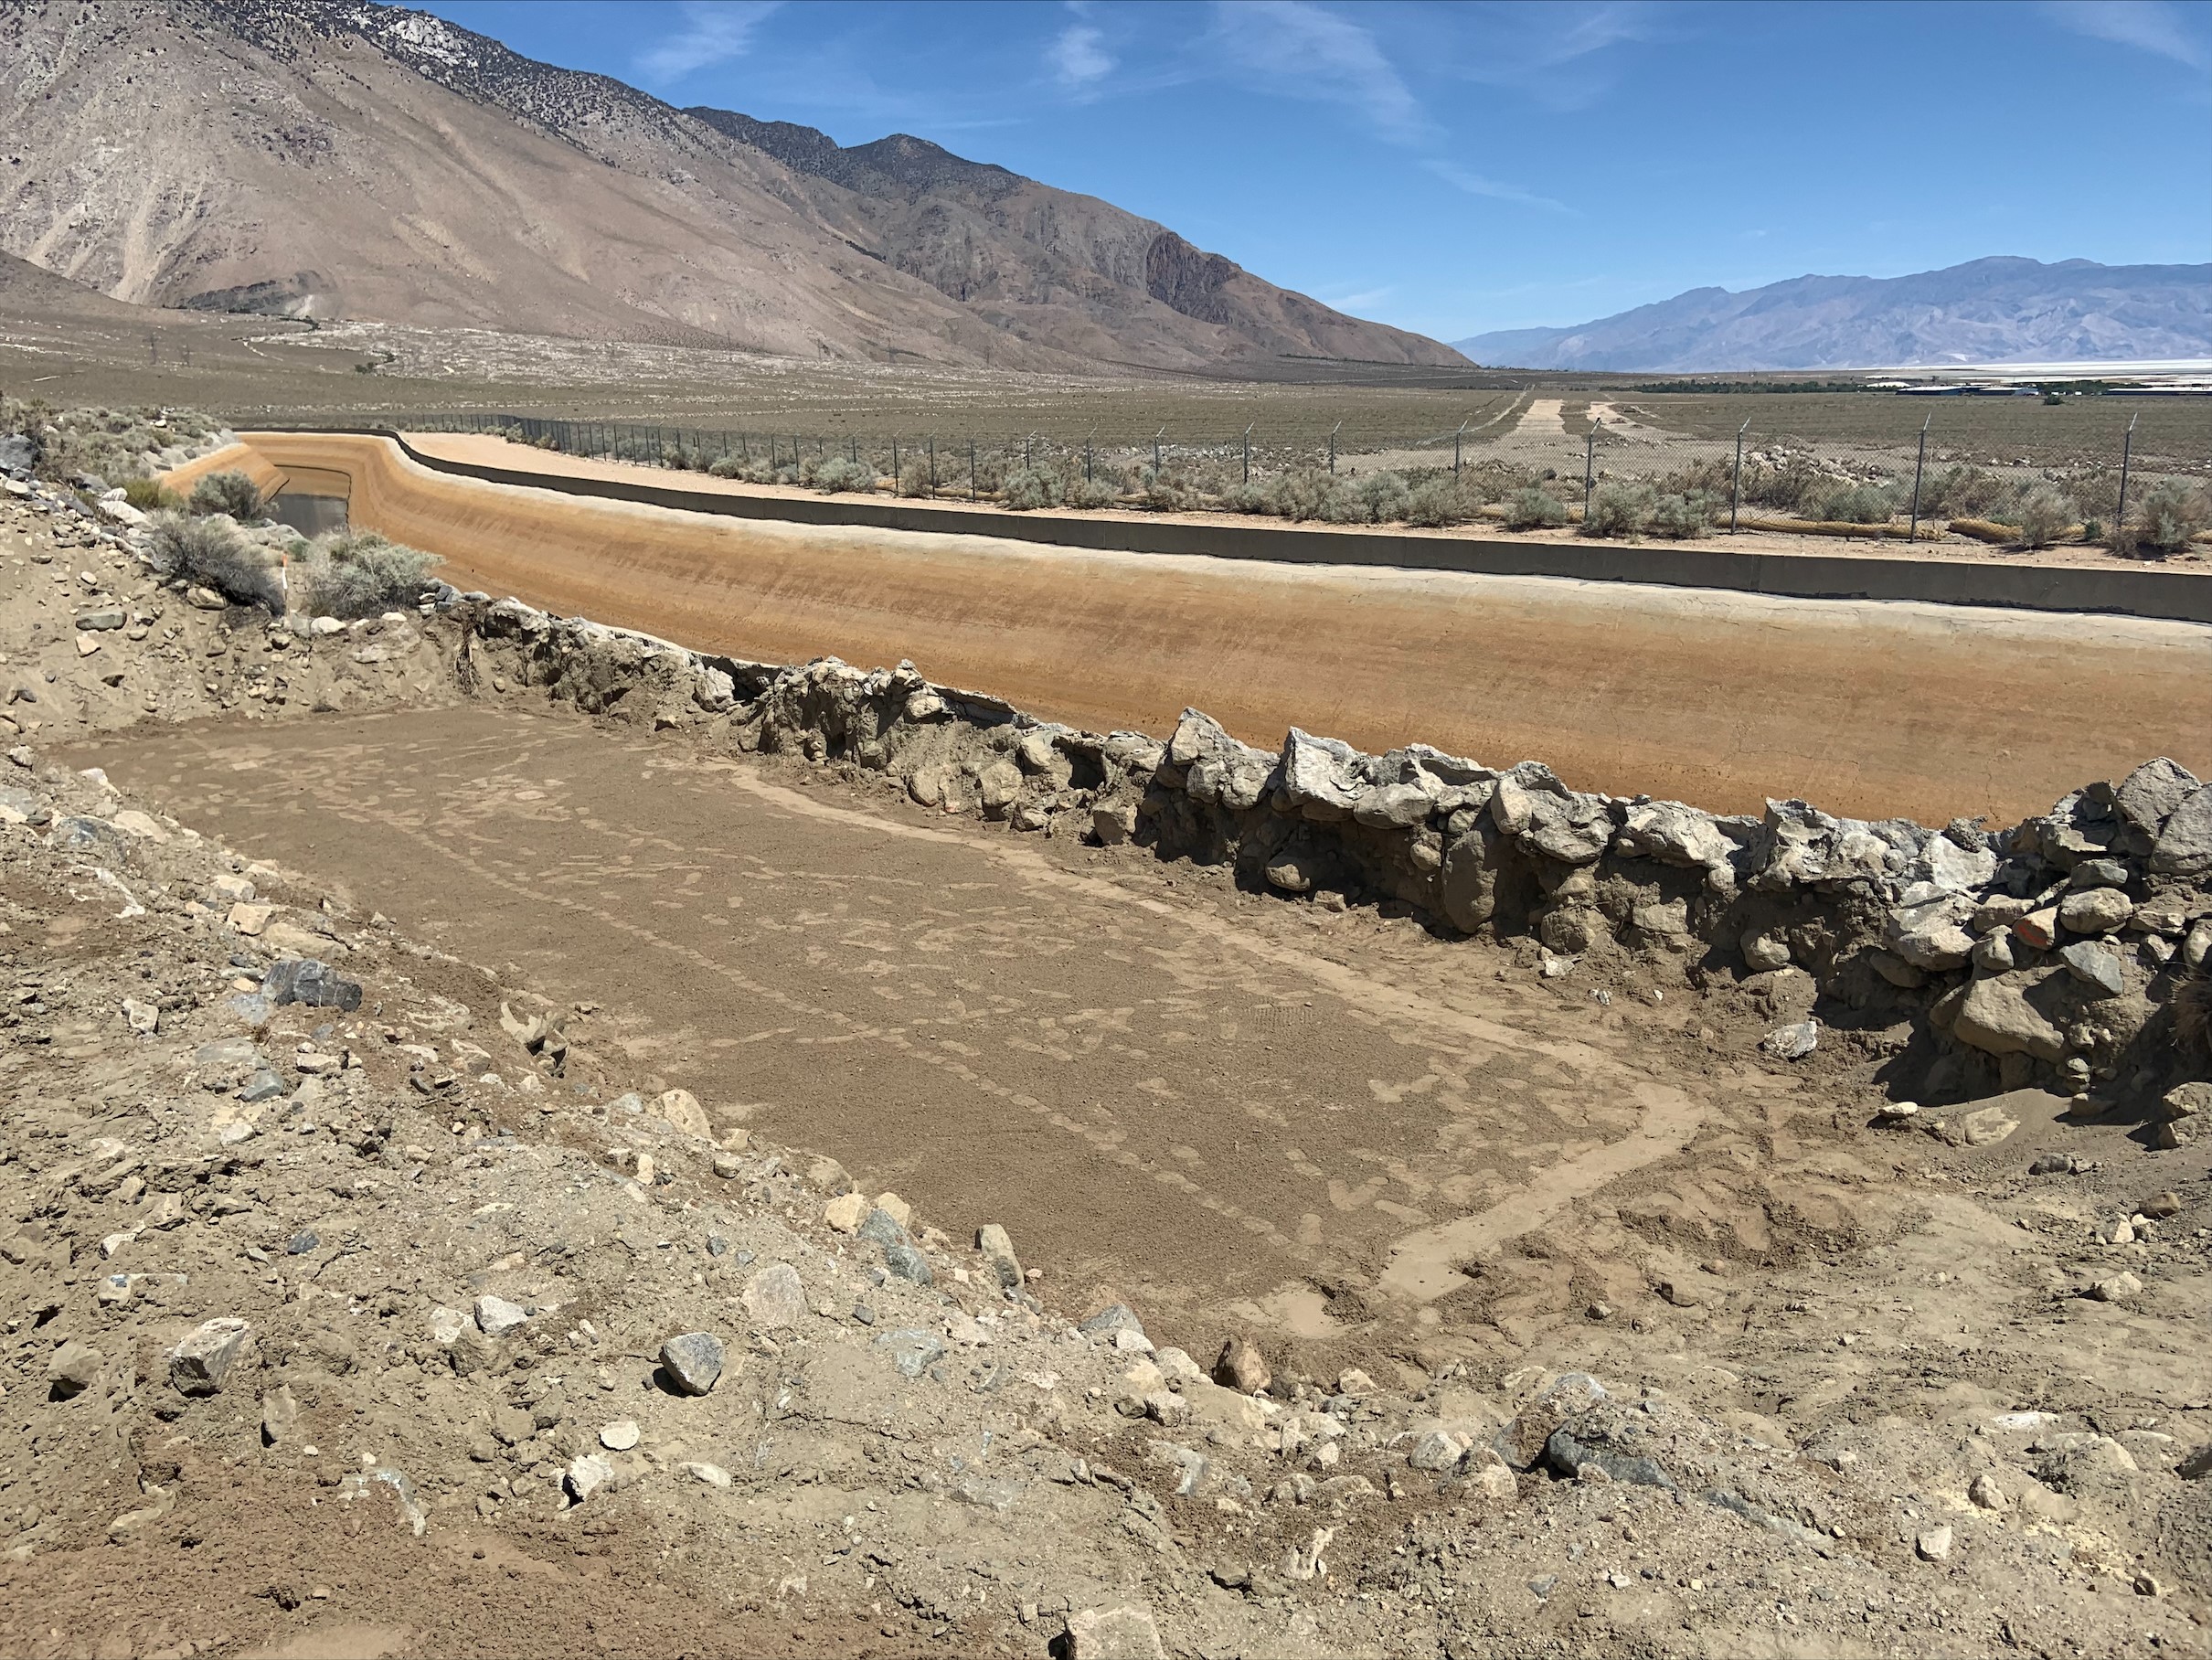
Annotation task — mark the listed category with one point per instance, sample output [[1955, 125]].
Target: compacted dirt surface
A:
[[475, 1178], [1719, 700]]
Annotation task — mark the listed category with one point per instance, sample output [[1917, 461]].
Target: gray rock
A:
[[1677, 834], [997, 1249], [199, 1364], [1439, 1450], [1568, 1455], [1934, 946], [911, 1351], [317, 984], [101, 621], [585, 1475], [2147, 797], [1292, 870], [1469, 878], [1114, 1318], [1242, 1368], [2095, 910], [1765, 951], [2184, 846], [73, 1368], [1574, 830], [1114, 822], [1792, 1042], [908, 1264], [1953, 868], [693, 1362], [879, 1227], [1319, 776], [2099, 873], [1393, 807], [2095, 964], [495, 1316], [776, 1298], [1125, 1632], [1997, 1018], [280, 1415], [1000, 784]]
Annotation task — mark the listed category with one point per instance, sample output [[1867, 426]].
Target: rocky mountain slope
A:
[[1987, 311], [328, 159]]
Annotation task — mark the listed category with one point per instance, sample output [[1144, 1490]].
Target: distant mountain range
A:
[[331, 158], [1986, 311]]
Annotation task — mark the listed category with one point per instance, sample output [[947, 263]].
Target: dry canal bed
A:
[[1170, 1090]]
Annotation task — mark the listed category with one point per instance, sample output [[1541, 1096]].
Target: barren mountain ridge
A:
[[333, 158]]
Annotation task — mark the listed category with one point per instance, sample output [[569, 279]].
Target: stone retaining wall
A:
[[2067, 950]]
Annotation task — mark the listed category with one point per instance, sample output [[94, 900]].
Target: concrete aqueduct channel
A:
[[1719, 698]]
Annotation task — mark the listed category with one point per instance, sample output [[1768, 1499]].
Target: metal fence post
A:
[[932, 466], [1087, 473], [1156, 451], [1736, 483], [971, 469], [1456, 437], [1247, 454], [1333, 432], [894, 464], [1590, 466], [2127, 454], [1919, 465]]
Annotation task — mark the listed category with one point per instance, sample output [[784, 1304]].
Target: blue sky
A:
[[1459, 168]]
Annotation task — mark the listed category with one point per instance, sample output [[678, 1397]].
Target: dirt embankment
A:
[[1718, 699]]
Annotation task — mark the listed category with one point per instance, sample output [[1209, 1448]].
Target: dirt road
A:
[[1718, 699], [1213, 1100]]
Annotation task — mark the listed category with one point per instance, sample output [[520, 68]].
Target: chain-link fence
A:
[[1599, 466]]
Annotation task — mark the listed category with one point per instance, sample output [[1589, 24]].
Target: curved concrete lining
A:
[[1717, 697]]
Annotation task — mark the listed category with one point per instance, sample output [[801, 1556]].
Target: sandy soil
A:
[[1272, 1097], [1718, 699]]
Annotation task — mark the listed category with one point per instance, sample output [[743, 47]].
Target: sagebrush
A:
[[357, 573], [207, 549]]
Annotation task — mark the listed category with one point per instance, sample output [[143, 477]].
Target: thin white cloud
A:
[[2150, 25], [1079, 53], [713, 31], [1300, 50], [1474, 184]]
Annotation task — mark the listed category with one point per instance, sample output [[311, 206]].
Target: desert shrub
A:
[[1302, 494], [1163, 492], [1711, 475], [231, 493], [1029, 489], [148, 495], [207, 549], [1677, 515], [1248, 495], [2093, 490], [839, 474], [914, 478], [1443, 500], [1857, 505], [360, 574], [2172, 512], [1532, 507], [1384, 497], [725, 466], [1791, 484], [2044, 517], [1102, 491], [1966, 491], [1618, 509]]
